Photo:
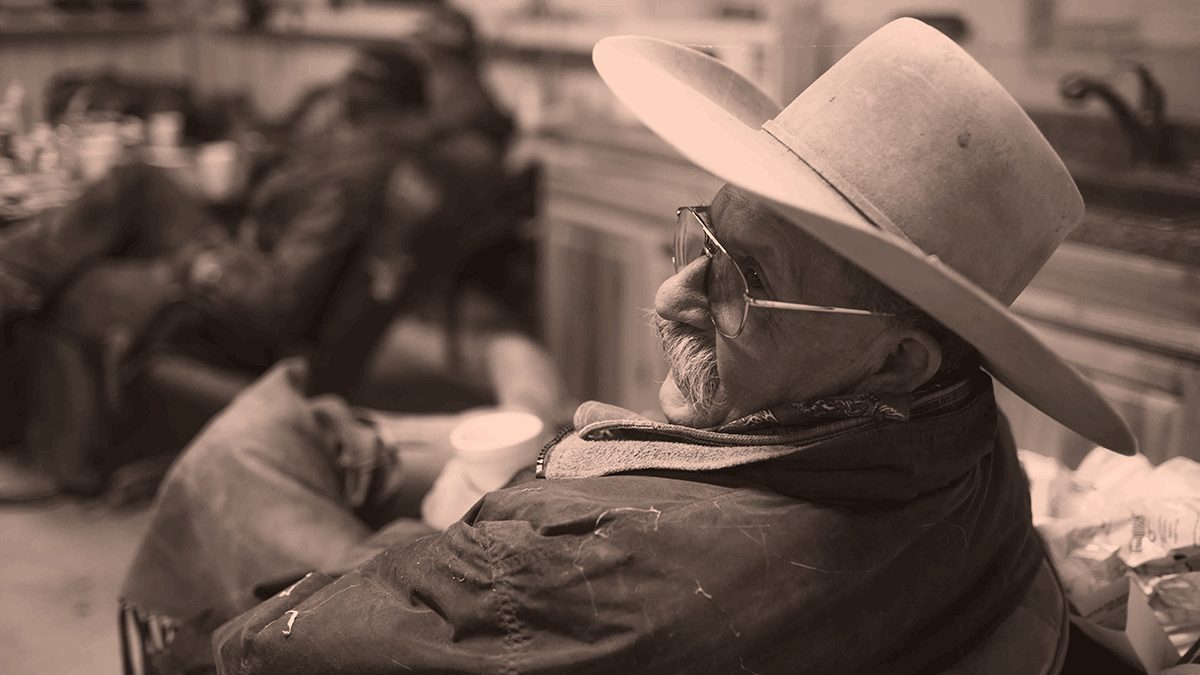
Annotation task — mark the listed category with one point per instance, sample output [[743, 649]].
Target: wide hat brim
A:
[[714, 117]]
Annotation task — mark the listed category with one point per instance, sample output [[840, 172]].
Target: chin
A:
[[678, 410]]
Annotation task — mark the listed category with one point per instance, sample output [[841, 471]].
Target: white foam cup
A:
[[494, 446]]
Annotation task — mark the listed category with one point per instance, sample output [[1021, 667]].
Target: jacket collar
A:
[[948, 430]]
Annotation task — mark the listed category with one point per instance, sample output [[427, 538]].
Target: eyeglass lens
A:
[[689, 239], [724, 284]]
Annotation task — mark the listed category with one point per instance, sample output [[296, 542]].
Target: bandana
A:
[[896, 407]]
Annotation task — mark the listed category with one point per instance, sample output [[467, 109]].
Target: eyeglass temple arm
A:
[[800, 307]]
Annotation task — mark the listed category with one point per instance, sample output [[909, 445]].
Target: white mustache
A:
[[692, 355]]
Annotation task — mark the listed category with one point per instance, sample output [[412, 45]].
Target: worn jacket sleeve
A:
[[267, 289], [591, 589], [441, 603], [490, 597]]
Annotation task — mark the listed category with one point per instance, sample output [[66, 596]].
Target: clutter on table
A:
[[1125, 537], [44, 166]]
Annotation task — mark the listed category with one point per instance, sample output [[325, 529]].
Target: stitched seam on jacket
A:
[[515, 637]]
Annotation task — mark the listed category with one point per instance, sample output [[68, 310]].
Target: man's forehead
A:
[[747, 225], [735, 210], [731, 199]]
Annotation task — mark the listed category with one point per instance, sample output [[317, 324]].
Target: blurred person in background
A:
[[364, 182], [366, 165], [463, 114], [136, 249], [464, 107], [138, 211]]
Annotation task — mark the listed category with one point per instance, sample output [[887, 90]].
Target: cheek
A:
[[757, 364], [784, 359]]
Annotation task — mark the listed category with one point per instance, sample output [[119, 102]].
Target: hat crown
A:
[[919, 137]]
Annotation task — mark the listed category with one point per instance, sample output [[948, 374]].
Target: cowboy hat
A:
[[908, 159]]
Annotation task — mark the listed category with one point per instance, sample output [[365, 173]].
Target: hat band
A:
[[813, 160]]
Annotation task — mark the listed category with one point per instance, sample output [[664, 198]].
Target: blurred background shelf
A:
[[38, 43], [117, 26]]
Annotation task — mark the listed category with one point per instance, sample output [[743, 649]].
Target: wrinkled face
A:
[[780, 356]]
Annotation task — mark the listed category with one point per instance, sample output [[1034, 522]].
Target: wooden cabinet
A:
[[604, 281], [608, 215], [1132, 325]]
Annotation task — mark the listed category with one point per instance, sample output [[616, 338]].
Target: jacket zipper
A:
[[539, 469], [716, 438]]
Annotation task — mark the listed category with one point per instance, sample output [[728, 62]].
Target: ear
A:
[[911, 358]]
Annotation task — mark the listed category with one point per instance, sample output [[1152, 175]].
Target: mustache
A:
[[692, 355]]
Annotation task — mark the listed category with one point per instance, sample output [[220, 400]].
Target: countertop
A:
[[1128, 235], [1138, 233]]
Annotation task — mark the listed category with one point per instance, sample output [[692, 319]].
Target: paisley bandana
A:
[[895, 407]]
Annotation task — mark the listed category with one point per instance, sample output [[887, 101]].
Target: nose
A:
[[682, 298]]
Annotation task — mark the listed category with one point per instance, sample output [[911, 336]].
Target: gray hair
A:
[[868, 292]]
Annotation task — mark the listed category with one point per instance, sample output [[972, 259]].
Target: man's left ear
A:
[[912, 359]]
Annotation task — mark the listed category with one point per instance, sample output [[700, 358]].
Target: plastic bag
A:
[[1117, 519]]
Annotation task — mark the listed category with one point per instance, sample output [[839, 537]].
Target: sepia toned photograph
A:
[[634, 336]]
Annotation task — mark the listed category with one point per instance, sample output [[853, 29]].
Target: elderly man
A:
[[835, 490]]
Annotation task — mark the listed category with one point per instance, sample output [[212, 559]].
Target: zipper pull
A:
[[539, 469]]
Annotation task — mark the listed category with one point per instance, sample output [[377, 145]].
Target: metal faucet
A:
[[1147, 131]]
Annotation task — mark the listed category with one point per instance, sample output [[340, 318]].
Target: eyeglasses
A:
[[728, 292]]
